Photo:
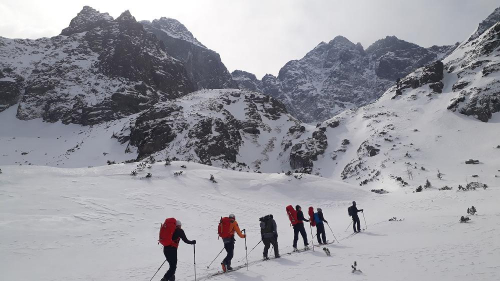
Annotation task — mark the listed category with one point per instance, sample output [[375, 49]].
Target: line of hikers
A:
[[171, 233]]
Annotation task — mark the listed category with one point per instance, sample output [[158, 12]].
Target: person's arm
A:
[[238, 231], [182, 235], [300, 217], [321, 217], [275, 227]]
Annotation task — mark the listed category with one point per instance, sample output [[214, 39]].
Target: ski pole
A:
[[348, 227], [215, 258], [252, 249], [194, 259], [312, 240], [333, 233], [364, 219], [246, 249], [158, 269]]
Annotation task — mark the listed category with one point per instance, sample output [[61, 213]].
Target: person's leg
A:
[[354, 223], [171, 256], [304, 235], [323, 233], [359, 224], [295, 236], [229, 253], [274, 241], [267, 244], [318, 232]]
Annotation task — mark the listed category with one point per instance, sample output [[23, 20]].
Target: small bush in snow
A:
[[464, 219], [0, 171], [475, 185], [133, 173], [212, 179], [149, 175], [471, 211], [422, 168], [289, 173], [111, 162], [167, 162], [427, 184], [439, 175], [380, 191], [183, 166], [298, 176], [498, 146], [472, 161], [178, 173], [446, 188], [151, 159], [149, 166], [419, 189], [395, 219], [354, 268]]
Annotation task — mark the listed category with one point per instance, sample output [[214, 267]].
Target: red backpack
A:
[[224, 228], [292, 214], [167, 230], [311, 216]]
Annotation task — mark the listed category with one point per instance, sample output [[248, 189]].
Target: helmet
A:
[[319, 210], [178, 223], [231, 216]]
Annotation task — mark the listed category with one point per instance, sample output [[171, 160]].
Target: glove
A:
[[194, 242], [362, 210]]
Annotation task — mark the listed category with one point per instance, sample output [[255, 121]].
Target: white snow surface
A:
[[101, 223]]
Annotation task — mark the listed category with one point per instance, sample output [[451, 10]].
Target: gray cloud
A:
[[260, 36]]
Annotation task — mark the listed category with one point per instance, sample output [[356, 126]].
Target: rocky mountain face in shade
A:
[[203, 65]]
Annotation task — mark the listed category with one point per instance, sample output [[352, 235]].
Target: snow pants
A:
[[320, 233], [296, 229], [355, 220], [171, 256], [230, 253], [267, 245]]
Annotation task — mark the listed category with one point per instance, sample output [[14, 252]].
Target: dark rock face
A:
[[304, 153], [99, 69], [10, 89], [204, 66], [340, 75], [431, 75]]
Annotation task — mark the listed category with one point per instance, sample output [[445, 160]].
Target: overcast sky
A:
[[260, 36]]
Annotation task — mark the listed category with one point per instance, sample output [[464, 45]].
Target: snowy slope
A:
[[102, 224]]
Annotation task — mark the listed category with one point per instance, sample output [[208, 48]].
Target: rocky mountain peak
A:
[[341, 41], [87, 19], [175, 29], [126, 16], [490, 21]]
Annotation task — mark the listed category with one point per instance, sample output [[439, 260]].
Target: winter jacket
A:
[[234, 228], [300, 217], [270, 234]]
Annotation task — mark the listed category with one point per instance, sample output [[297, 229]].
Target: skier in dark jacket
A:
[[320, 226], [170, 252], [353, 212], [299, 227], [269, 235]]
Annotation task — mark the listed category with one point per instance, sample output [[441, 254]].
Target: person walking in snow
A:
[[269, 235], [353, 212], [320, 226], [299, 228], [227, 227], [170, 252]]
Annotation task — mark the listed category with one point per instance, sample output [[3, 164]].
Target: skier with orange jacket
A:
[[227, 228]]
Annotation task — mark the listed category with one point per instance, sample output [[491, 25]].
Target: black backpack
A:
[[349, 211], [266, 224]]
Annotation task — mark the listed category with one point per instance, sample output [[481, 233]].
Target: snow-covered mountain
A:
[[204, 66], [340, 75], [99, 69]]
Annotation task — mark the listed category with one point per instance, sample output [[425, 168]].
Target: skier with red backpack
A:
[[227, 227], [297, 219], [170, 235]]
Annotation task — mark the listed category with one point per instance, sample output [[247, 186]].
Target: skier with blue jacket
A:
[[320, 226]]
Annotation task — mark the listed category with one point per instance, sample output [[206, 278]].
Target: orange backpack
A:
[[224, 228], [167, 230]]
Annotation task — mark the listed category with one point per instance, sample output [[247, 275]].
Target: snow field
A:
[[102, 224]]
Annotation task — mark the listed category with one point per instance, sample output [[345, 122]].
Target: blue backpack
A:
[[316, 219]]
